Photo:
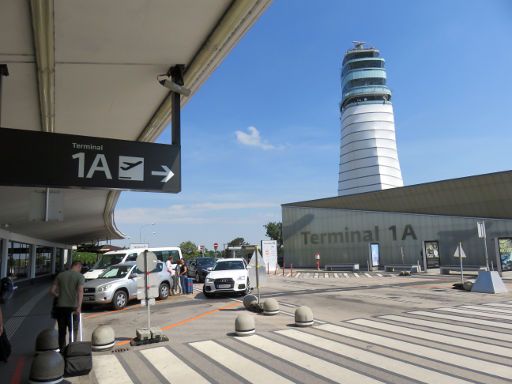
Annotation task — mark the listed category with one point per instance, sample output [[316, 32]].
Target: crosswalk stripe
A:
[[478, 346], [371, 358], [481, 314], [499, 305], [298, 274], [420, 350], [378, 274], [450, 327], [242, 366], [336, 275], [462, 319], [482, 308], [345, 274], [355, 274], [108, 370], [171, 367], [316, 275], [367, 274], [288, 275], [306, 361]]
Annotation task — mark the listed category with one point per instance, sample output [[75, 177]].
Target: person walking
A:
[[68, 290], [181, 271], [171, 268]]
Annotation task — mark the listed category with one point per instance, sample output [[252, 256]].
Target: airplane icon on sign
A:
[[128, 166]]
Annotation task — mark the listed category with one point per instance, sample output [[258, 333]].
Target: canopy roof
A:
[[486, 196], [89, 68]]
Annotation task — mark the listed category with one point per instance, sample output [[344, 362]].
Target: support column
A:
[[69, 260], [4, 257], [61, 260], [33, 249], [53, 260]]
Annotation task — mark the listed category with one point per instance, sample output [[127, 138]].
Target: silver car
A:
[[117, 285]]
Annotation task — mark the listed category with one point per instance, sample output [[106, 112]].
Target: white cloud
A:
[[253, 139]]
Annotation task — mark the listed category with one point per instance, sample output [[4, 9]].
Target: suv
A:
[[117, 285], [200, 267], [228, 275]]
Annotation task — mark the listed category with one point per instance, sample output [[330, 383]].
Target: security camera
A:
[[174, 87]]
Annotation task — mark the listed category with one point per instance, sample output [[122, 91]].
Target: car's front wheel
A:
[[207, 294], [163, 292], [120, 300]]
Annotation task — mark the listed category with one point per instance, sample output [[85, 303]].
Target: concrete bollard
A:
[[270, 307], [47, 340], [468, 285], [404, 273], [47, 367], [303, 317], [244, 325], [250, 301], [103, 338]]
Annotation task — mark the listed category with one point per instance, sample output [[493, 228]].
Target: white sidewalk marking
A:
[[306, 361], [345, 274], [499, 305], [242, 366], [356, 275], [463, 319], [422, 351], [171, 367], [451, 327], [336, 275], [298, 274], [481, 314], [367, 274], [378, 274], [108, 370], [316, 275], [482, 308], [478, 346], [372, 358]]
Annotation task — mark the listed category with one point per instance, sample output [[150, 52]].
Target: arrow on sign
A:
[[167, 173]]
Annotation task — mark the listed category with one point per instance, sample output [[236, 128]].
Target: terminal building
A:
[[419, 224], [375, 221]]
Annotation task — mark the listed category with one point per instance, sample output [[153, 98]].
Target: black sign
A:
[[30, 158]]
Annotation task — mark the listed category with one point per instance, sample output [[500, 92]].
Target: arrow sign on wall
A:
[[167, 173]]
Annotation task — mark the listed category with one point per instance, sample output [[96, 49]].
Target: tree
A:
[[189, 250], [275, 232], [238, 242]]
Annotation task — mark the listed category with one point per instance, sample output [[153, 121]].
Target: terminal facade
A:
[[421, 224]]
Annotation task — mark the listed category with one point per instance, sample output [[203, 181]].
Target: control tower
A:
[[368, 153]]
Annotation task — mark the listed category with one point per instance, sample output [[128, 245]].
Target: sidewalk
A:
[[25, 315]]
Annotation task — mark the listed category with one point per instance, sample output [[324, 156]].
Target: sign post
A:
[[459, 252], [317, 259], [481, 234]]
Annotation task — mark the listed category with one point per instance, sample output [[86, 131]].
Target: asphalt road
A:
[[429, 333]]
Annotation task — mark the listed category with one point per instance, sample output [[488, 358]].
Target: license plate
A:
[[224, 285]]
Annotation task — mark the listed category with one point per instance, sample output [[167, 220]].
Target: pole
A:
[[461, 271], [146, 285], [3, 72], [485, 243], [257, 274]]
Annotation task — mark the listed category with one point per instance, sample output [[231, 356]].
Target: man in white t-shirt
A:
[[171, 268]]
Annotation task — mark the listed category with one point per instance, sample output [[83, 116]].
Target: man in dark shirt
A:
[[68, 290]]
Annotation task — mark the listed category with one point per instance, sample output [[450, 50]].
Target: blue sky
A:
[[264, 129]]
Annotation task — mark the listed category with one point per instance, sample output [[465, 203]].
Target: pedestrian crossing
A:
[[330, 275], [447, 345]]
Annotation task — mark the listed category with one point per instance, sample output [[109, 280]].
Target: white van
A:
[[124, 255]]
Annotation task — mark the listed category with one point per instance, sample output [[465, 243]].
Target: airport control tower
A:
[[368, 154]]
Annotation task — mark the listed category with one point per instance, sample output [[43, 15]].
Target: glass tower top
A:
[[363, 77]]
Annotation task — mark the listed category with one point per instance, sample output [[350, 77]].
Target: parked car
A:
[[200, 267], [228, 275], [117, 285], [126, 255]]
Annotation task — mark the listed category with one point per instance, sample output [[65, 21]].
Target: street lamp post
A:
[[140, 230]]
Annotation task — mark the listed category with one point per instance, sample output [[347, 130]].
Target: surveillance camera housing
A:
[[168, 83]]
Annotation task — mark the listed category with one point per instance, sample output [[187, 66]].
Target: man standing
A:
[[171, 268], [68, 289]]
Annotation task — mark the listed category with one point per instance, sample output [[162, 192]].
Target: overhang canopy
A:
[[89, 68], [485, 196]]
